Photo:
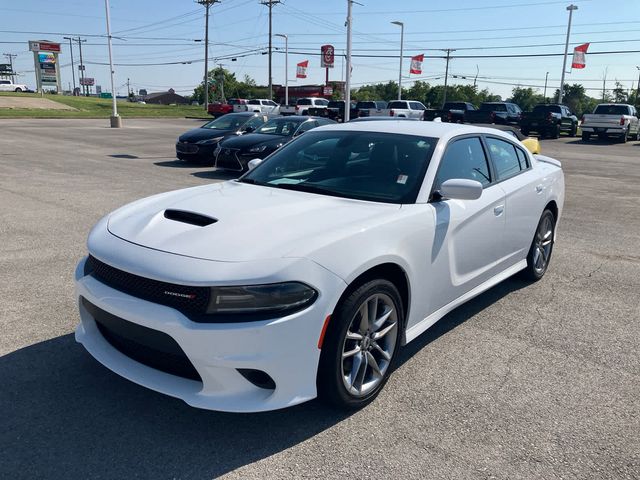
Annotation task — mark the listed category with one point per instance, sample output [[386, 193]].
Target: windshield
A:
[[493, 107], [612, 110], [279, 126], [400, 105], [227, 122], [373, 166], [546, 109], [234, 101]]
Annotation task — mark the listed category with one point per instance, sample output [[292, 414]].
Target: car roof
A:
[[295, 117], [422, 129]]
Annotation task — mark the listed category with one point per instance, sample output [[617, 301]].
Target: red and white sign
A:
[[327, 91], [44, 46], [327, 56], [88, 81], [579, 56], [301, 70], [416, 64]]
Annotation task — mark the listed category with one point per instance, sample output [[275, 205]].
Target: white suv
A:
[[259, 105], [8, 86]]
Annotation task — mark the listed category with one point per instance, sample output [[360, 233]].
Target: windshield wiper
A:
[[250, 181], [305, 187]]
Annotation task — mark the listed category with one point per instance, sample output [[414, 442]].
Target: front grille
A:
[[189, 300], [228, 158], [150, 347], [186, 148]]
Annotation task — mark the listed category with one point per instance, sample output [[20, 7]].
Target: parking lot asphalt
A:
[[525, 381]]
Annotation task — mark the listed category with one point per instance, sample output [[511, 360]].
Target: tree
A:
[[619, 93], [526, 98], [221, 78]]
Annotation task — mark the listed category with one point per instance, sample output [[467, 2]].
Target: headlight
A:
[[259, 148], [256, 299], [209, 141]]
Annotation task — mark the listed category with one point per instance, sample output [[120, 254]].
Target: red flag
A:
[[579, 54], [301, 71], [416, 64]]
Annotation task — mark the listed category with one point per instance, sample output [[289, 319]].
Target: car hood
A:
[[252, 139], [250, 222], [198, 134]]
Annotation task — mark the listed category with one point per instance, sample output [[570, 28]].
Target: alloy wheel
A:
[[543, 244], [369, 344]]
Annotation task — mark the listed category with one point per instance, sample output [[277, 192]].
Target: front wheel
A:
[[624, 137], [585, 136], [541, 247], [574, 131], [18, 89], [360, 345]]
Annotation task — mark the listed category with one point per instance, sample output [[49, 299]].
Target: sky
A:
[[148, 32]]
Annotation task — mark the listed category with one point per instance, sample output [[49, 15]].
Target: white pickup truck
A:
[[611, 120], [9, 86], [258, 105], [302, 105], [405, 109]]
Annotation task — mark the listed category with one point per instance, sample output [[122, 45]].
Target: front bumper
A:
[[284, 348], [196, 152]]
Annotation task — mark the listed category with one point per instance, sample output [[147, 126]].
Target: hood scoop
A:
[[191, 218]]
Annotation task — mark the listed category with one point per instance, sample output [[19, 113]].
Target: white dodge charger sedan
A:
[[306, 276]]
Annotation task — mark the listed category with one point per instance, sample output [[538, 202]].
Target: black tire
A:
[[574, 130], [555, 132], [585, 136], [18, 90], [330, 383], [533, 272], [624, 137], [525, 132]]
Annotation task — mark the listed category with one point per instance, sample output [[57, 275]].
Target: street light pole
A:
[[570, 8], [638, 88], [116, 121], [347, 93], [401, 25], [286, 66], [546, 77], [73, 73]]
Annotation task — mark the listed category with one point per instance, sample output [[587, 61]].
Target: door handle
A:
[[498, 210], [539, 188]]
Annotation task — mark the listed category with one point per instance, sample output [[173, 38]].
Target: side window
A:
[[306, 126], [504, 157], [522, 158], [416, 106], [464, 158]]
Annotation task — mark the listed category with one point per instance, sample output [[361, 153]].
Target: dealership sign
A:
[[327, 56], [45, 59], [88, 81]]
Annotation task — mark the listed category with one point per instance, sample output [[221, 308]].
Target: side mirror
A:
[[254, 163], [461, 189]]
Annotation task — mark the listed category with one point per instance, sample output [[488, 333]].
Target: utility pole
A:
[[604, 84], [446, 74], [270, 4], [546, 78], [128, 88], [475, 80], [10, 57], [116, 121], [207, 5], [286, 66], [73, 72], [401, 25], [570, 8], [81, 66]]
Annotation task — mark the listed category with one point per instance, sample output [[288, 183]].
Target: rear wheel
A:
[[525, 131], [555, 131], [18, 89], [624, 137], [574, 130], [360, 345], [541, 247], [585, 136]]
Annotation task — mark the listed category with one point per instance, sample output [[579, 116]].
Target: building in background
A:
[[166, 98]]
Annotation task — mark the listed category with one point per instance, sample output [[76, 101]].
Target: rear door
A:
[[524, 197]]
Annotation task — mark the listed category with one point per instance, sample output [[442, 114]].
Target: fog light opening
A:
[[258, 378]]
